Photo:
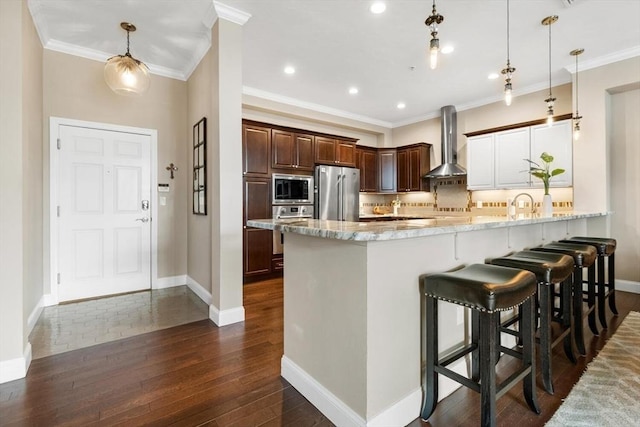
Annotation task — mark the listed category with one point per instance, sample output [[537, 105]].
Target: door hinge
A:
[[58, 278], [58, 211], [59, 144]]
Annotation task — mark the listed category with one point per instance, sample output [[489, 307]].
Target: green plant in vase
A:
[[544, 172]]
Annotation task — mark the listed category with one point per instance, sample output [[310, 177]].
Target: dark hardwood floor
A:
[[198, 374]]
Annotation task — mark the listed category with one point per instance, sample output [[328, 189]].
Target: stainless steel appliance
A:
[[288, 212], [337, 193], [292, 189], [449, 136]]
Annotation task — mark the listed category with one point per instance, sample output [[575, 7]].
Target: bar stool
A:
[[487, 290], [606, 249], [550, 269], [584, 256]]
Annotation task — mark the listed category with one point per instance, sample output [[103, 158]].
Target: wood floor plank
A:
[[201, 375]]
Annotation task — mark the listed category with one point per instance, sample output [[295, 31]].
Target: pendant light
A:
[[508, 72], [124, 74], [434, 45], [550, 100], [577, 116]]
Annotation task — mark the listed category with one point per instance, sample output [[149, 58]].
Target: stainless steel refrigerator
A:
[[337, 193]]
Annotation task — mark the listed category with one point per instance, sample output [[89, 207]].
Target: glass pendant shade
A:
[[126, 75], [434, 46], [507, 94]]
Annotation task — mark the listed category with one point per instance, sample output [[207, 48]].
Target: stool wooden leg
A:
[[528, 354], [566, 290], [612, 283], [475, 338], [545, 301], [576, 291], [488, 360], [602, 292], [430, 356], [591, 298]]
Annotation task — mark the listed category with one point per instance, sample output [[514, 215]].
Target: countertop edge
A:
[[407, 229]]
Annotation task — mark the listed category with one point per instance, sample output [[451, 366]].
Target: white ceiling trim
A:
[[246, 90], [232, 14], [620, 55]]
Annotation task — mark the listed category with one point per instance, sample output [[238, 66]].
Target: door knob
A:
[[145, 219]]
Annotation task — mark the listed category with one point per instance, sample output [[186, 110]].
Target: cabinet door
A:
[[345, 153], [557, 141], [257, 198], [415, 179], [403, 170], [325, 150], [282, 149], [387, 171], [304, 152], [256, 149], [511, 152], [367, 162], [257, 251], [480, 163]]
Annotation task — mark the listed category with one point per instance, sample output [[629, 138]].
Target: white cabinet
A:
[[480, 163], [555, 140], [497, 160], [511, 152]]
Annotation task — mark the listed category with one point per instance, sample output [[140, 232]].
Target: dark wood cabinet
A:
[[413, 164], [367, 163], [256, 150], [291, 150], [258, 243], [332, 151], [387, 167]]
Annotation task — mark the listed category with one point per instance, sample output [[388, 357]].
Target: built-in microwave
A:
[[292, 189]]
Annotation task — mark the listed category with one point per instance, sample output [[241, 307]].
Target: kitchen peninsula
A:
[[352, 303]]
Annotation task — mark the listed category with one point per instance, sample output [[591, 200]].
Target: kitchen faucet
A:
[[533, 206]]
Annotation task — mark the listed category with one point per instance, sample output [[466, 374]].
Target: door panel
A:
[[104, 247]]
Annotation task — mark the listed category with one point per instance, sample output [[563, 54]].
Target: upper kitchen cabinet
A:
[[367, 162], [557, 141], [256, 150], [332, 151], [291, 150], [413, 163], [387, 170], [498, 160]]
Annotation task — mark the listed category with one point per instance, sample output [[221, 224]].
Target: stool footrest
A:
[[504, 386], [511, 352], [458, 378], [457, 354]]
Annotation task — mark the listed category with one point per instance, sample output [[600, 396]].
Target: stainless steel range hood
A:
[[449, 129]]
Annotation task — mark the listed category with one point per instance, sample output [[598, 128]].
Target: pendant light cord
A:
[[577, 113], [508, 56], [128, 54], [550, 96]]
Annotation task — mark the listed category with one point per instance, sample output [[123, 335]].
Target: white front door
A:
[[104, 221]]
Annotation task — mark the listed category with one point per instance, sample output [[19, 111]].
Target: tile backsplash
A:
[[452, 197]]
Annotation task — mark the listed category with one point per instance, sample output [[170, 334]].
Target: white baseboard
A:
[[49, 300], [400, 414], [226, 317], [199, 290], [170, 281], [628, 286], [17, 368], [35, 315], [333, 408]]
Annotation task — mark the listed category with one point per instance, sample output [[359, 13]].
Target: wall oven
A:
[[288, 212], [292, 189]]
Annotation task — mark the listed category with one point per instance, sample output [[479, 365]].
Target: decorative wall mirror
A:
[[200, 167]]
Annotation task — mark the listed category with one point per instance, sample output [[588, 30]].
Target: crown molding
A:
[[610, 58], [246, 90], [232, 14]]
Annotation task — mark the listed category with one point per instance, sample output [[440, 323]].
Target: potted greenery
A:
[[545, 173]]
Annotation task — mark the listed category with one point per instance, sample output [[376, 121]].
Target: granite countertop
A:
[[406, 229]]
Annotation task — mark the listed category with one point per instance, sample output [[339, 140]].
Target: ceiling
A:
[[336, 44]]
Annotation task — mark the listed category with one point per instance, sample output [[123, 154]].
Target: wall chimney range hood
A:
[[449, 129]]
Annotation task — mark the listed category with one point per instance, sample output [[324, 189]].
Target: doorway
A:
[[103, 236]]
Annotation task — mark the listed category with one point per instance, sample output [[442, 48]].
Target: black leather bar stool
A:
[[584, 256], [550, 269], [487, 290], [606, 249]]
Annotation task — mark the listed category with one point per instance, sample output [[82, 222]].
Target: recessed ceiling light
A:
[[289, 69], [401, 105], [493, 76], [353, 90], [378, 7], [447, 49]]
